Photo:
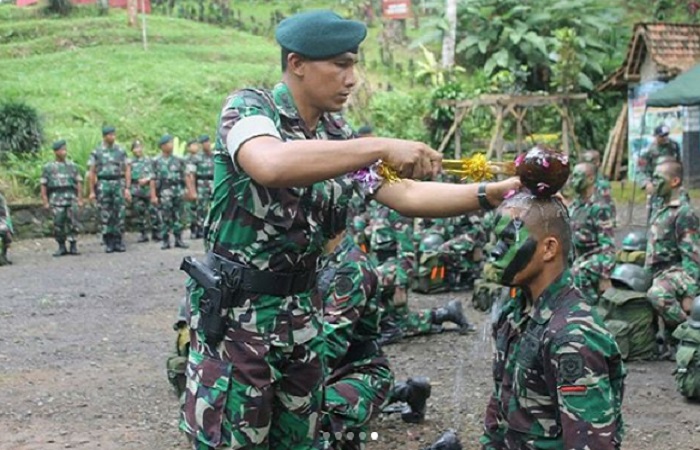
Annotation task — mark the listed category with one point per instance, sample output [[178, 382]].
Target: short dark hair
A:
[[674, 168], [544, 217]]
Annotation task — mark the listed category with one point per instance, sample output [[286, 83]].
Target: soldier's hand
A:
[[127, 195], [496, 192], [154, 201], [412, 159], [687, 304], [604, 284], [92, 197]]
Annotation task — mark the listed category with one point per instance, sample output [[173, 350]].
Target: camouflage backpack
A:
[[430, 276], [628, 313], [688, 354], [486, 293]]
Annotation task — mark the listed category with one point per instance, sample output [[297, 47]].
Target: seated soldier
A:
[[358, 380], [673, 249], [5, 231], [558, 373], [592, 234]]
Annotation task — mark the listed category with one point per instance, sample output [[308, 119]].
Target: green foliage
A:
[[441, 116], [20, 128], [431, 72], [399, 115], [59, 7]]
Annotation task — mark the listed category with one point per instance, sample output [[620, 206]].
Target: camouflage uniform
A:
[[169, 175], [203, 169], [359, 377], [647, 163], [358, 221], [5, 230], [110, 169], [153, 210], [558, 374], [465, 238], [593, 239], [261, 386], [141, 168], [604, 193], [61, 180], [673, 260]]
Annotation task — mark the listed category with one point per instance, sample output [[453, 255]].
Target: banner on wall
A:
[[641, 126]]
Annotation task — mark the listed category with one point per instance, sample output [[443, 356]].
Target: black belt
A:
[[166, 183], [110, 177], [383, 255], [278, 284], [62, 189], [206, 178], [360, 350]]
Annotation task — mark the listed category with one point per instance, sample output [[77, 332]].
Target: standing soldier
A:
[[286, 163], [110, 183], [153, 210], [141, 176], [191, 205], [61, 190], [673, 248], [169, 187], [5, 231], [202, 176], [592, 234], [558, 373]]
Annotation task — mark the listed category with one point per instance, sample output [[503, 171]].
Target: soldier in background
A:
[[201, 177], [673, 248], [61, 191], [602, 184], [549, 345], [141, 176], [191, 205], [5, 231], [110, 183], [593, 235], [169, 186]]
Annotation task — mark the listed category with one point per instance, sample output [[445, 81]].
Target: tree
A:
[[449, 40]]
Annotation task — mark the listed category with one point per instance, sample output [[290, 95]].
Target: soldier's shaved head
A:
[[587, 167], [591, 156], [672, 168]]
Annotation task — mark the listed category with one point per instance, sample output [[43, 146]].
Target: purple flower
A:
[[545, 163], [519, 160], [509, 194]]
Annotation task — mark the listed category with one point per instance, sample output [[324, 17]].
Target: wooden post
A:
[[565, 130], [495, 139], [458, 142]]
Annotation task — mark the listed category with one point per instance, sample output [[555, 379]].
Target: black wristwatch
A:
[[483, 201]]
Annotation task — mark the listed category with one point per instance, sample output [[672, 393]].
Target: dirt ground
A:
[[83, 341]]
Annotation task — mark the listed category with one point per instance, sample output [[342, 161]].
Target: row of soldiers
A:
[[157, 189]]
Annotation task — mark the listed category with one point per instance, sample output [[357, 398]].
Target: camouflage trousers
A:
[[171, 207], [156, 223], [65, 222], [112, 207], [457, 254], [190, 213], [141, 207], [411, 322], [354, 394], [247, 393], [666, 294], [203, 201]]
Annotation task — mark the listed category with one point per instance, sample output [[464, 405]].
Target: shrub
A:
[[20, 128], [60, 7]]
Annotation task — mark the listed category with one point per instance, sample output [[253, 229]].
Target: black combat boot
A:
[[143, 237], [119, 244], [414, 392], [193, 232], [61, 249], [3, 255], [448, 441], [108, 239], [452, 312], [73, 248], [166, 242], [391, 333], [178, 241]]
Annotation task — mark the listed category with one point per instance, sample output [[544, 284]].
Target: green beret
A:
[[320, 34], [108, 129], [58, 144], [165, 139], [203, 138]]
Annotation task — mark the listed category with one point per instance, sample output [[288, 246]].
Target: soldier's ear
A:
[[296, 64], [550, 248]]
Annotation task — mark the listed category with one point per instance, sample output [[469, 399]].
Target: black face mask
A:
[[514, 249]]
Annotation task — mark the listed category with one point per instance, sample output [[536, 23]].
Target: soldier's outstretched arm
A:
[[432, 199]]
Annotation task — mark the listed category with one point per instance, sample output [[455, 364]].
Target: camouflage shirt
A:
[[647, 160], [141, 168], [558, 375], [109, 162], [392, 232], [61, 180], [673, 240], [351, 292], [5, 221], [592, 233], [202, 166], [169, 172], [276, 229]]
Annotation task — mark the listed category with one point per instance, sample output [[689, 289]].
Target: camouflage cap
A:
[[204, 138], [58, 144], [107, 129], [320, 34], [165, 139]]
